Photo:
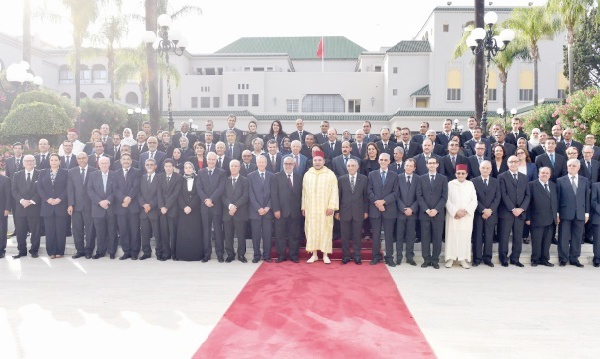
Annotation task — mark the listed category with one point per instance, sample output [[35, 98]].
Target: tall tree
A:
[[27, 31], [571, 14], [151, 18], [480, 73], [586, 54], [531, 25]]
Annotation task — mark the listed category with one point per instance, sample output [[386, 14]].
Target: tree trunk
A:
[[27, 31], [77, 73], [151, 17], [479, 63], [534, 56], [111, 71], [503, 77], [570, 42]]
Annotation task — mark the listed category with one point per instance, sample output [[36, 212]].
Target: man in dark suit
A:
[[309, 141], [300, 161], [261, 213], [568, 141], [517, 131], [246, 166], [590, 140], [209, 142], [140, 146], [332, 147], [113, 149], [354, 206], [445, 136], [98, 153], [486, 214], [339, 163], [235, 212], [222, 159], [590, 169], [5, 206], [410, 147], [453, 158], [542, 216], [15, 163], [231, 121], [468, 133], [595, 213], [300, 133], [101, 189], [359, 146], [322, 137], [432, 194], [42, 158], [469, 145], [436, 148], [408, 208], [80, 207], [573, 212], [153, 152], [169, 186], [185, 132], [422, 158], [273, 159], [127, 209], [398, 164], [553, 160], [148, 202], [476, 160], [423, 128], [26, 211], [68, 160], [385, 145], [509, 148], [511, 212], [233, 147], [383, 209], [210, 185], [369, 137], [286, 199], [214, 135]]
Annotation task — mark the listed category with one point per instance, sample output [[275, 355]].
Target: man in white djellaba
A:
[[460, 210]]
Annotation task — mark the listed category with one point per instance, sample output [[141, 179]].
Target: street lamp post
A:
[[482, 39], [168, 41]]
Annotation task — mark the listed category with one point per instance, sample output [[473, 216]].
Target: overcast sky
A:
[[372, 24]]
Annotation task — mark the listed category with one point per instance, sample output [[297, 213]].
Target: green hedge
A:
[[35, 120]]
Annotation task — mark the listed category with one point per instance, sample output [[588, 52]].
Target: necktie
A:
[[67, 160], [432, 179], [383, 177], [453, 161], [29, 178], [408, 180], [448, 135], [209, 173], [346, 161], [573, 184], [479, 159], [220, 163], [247, 166], [485, 182], [552, 159], [546, 187], [405, 148], [290, 180], [140, 148], [116, 149], [208, 148], [152, 155], [83, 175], [360, 148], [568, 144], [331, 145], [273, 163], [97, 161], [515, 177], [43, 158], [384, 147], [125, 174], [262, 177], [426, 159], [588, 164], [233, 183], [296, 162], [352, 183], [149, 179], [18, 163], [168, 179], [230, 151], [104, 180]]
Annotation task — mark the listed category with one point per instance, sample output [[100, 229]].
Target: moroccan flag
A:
[[321, 49]]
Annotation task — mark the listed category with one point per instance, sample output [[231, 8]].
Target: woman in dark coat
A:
[[275, 133], [178, 159], [189, 245], [499, 164], [371, 160]]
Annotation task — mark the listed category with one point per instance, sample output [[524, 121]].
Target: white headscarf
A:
[[128, 140]]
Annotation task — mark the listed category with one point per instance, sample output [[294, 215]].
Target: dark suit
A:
[[572, 208], [422, 164], [302, 166], [536, 151], [92, 159], [432, 196], [83, 233], [397, 167], [370, 138], [224, 164], [246, 169], [237, 150], [515, 194], [338, 165], [236, 224], [592, 173], [469, 147], [55, 216], [5, 205], [11, 166], [287, 200], [542, 210], [474, 166], [136, 152], [168, 193], [448, 169], [104, 219], [353, 207], [389, 148], [595, 219], [128, 218], [114, 153], [509, 149], [260, 197], [26, 219], [576, 144], [512, 139], [72, 162], [274, 167], [149, 225], [483, 229], [329, 153], [442, 139], [42, 164], [159, 157], [239, 134], [412, 150], [406, 225], [295, 135], [355, 150], [211, 187], [191, 138], [560, 165], [377, 190]]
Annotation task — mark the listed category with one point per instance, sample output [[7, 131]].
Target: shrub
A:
[[95, 112], [49, 98], [540, 117], [34, 120]]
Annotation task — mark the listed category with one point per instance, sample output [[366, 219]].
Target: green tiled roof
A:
[[308, 117], [303, 47], [434, 113], [472, 8], [206, 113], [423, 91], [411, 46]]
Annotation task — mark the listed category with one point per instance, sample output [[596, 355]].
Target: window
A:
[[377, 68], [64, 75], [246, 69], [561, 93], [132, 98], [422, 103], [243, 100], [209, 71], [323, 103], [270, 69], [445, 27], [492, 95], [230, 100], [395, 70], [353, 106], [492, 85], [205, 102], [99, 74], [216, 102], [255, 100], [526, 95], [453, 95], [394, 92], [194, 102], [98, 95], [258, 69], [85, 74], [292, 105]]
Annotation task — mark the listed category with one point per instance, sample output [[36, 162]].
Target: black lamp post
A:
[[482, 39]]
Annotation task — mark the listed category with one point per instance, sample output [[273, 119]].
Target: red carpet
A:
[[304, 310]]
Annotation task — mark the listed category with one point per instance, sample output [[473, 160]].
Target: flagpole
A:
[[323, 56]]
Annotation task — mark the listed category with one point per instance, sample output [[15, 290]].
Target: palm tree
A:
[[504, 60], [27, 31], [83, 13], [571, 13], [531, 25]]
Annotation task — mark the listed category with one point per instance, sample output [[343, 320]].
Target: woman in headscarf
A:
[[128, 138]]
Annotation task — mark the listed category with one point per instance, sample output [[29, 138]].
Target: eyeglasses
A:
[[461, 173]]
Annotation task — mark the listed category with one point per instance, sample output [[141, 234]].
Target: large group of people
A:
[[196, 190]]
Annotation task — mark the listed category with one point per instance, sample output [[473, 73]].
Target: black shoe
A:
[[220, 259], [374, 261], [135, 258], [34, 255], [418, 240], [280, 259], [229, 259], [255, 260], [411, 262], [596, 265], [2, 255], [78, 255], [161, 258], [475, 264], [518, 264], [112, 256], [425, 265], [358, 261], [576, 264], [390, 263], [562, 264], [242, 259], [547, 264], [554, 241], [204, 260], [88, 256], [145, 256], [526, 241], [488, 263], [534, 264], [295, 260], [435, 265], [96, 256], [504, 264], [268, 260], [19, 256], [345, 260], [125, 256]]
